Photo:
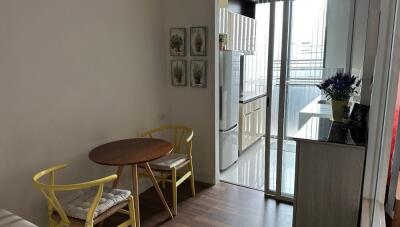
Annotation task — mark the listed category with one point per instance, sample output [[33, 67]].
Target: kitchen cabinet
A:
[[330, 160], [251, 122], [240, 30]]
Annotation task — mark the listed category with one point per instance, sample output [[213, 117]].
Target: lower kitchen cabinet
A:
[[330, 159], [251, 122]]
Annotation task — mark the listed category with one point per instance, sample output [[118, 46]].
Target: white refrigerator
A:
[[229, 83]]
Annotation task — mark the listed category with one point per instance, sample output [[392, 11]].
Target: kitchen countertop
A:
[[251, 96], [324, 130]]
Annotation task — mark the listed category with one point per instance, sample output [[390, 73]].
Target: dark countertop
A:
[[250, 96], [325, 130]]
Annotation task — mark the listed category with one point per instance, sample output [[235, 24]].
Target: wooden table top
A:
[[130, 151]]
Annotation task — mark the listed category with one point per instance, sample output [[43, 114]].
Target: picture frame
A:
[[359, 115], [198, 41], [198, 73], [177, 42], [178, 72]]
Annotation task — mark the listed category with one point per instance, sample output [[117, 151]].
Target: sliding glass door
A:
[[308, 42], [276, 158], [277, 52]]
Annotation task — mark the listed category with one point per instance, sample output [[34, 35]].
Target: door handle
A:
[[220, 102]]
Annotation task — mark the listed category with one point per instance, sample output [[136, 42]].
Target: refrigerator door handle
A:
[[230, 129], [221, 68], [220, 103]]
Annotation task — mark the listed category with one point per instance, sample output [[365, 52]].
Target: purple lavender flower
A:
[[340, 86]]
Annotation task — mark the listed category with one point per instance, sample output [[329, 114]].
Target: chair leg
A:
[[174, 193], [51, 223], [162, 180], [192, 178], [49, 215], [132, 211]]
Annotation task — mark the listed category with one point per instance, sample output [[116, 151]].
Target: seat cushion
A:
[[75, 222], [169, 161], [11, 220], [77, 204]]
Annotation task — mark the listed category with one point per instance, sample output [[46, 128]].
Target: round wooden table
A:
[[132, 152]]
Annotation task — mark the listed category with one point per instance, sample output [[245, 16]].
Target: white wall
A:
[[359, 36], [337, 34], [75, 74], [194, 106]]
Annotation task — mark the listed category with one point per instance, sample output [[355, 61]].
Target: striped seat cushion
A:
[[11, 220], [78, 203], [169, 161]]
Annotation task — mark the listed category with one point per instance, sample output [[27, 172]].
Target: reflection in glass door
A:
[[271, 47], [304, 71]]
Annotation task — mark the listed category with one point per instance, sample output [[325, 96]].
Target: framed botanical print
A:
[[178, 73], [177, 41], [198, 41], [198, 73]]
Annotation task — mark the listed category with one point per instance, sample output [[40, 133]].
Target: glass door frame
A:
[[284, 70], [277, 194]]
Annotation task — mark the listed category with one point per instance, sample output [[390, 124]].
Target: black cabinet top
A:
[[325, 130]]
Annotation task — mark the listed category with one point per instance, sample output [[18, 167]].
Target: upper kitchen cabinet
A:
[[240, 31]]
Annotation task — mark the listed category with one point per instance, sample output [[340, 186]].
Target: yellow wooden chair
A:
[[69, 212], [181, 137]]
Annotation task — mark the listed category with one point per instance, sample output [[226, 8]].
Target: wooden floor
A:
[[219, 205]]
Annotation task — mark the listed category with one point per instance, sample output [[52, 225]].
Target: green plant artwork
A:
[[177, 41], [197, 73], [178, 72], [198, 41]]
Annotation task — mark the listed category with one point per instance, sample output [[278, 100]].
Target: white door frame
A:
[[269, 96], [277, 194], [393, 86], [382, 104]]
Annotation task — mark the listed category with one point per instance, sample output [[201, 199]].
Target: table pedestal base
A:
[[135, 188], [135, 191]]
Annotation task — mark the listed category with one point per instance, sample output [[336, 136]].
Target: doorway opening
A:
[[296, 45]]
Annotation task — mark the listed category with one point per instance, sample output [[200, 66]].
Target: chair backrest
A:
[[180, 136], [49, 189]]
